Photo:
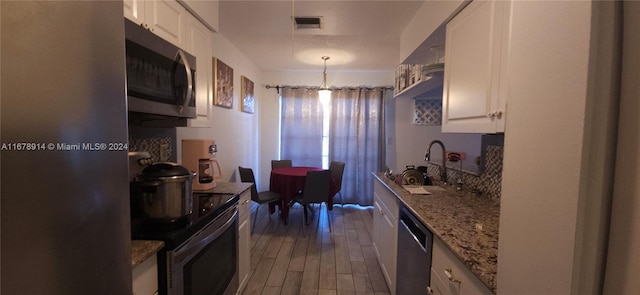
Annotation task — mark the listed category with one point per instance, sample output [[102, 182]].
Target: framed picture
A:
[[223, 81], [246, 95]]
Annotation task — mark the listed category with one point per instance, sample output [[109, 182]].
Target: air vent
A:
[[308, 22]]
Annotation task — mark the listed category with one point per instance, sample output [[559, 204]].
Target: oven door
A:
[[207, 263]]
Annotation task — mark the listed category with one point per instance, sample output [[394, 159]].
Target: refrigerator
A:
[[64, 190]]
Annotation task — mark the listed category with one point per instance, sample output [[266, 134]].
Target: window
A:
[[347, 130]]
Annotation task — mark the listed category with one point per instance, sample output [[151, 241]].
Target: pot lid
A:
[[164, 169]]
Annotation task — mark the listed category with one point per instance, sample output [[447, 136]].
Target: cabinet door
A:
[[166, 18], [473, 53], [199, 43], [134, 10], [456, 277], [244, 245], [145, 277], [381, 243], [385, 234]]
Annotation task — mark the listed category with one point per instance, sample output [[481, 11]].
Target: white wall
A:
[[554, 173], [409, 142], [235, 132]]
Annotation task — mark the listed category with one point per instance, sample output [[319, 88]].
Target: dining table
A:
[[289, 181]]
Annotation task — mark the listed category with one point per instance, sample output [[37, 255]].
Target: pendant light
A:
[[324, 92]]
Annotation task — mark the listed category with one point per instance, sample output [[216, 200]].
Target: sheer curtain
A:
[[356, 138], [301, 127], [356, 135]]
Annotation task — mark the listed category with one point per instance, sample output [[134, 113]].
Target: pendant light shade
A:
[[324, 92]]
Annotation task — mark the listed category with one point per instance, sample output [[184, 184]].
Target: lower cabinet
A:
[[145, 277], [450, 277], [385, 232], [244, 239]]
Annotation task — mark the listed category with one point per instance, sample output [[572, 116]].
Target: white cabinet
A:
[[474, 94], [145, 277], [165, 18], [450, 277], [199, 42], [385, 232], [244, 239]]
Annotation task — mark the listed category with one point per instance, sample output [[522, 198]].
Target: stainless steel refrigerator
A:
[[65, 226]]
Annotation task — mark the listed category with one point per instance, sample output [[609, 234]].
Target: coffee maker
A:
[[198, 155]]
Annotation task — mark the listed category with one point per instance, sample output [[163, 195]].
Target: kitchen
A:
[[557, 203]]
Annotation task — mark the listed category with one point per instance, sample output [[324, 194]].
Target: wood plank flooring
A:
[[297, 259]]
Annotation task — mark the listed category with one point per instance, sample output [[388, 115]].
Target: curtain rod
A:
[[278, 87]]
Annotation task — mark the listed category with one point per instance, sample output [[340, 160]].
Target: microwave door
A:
[[187, 94]]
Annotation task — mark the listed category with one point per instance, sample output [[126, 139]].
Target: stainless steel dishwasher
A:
[[415, 244]]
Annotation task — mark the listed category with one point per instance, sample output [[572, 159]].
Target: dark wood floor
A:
[[286, 260]]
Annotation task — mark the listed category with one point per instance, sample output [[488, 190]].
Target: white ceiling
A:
[[359, 35]]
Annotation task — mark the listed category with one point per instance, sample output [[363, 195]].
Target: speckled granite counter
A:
[[234, 188], [452, 216], [141, 250]]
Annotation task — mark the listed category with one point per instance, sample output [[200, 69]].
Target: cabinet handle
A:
[[496, 114], [429, 291], [448, 272], [246, 202]]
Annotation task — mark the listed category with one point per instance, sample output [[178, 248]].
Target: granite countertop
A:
[[234, 188], [141, 250], [452, 216]]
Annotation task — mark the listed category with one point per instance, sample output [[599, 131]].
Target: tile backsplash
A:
[[487, 183], [159, 142]]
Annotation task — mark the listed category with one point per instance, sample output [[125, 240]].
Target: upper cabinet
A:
[[199, 42], [205, 11], [474, 94], [165, 18]]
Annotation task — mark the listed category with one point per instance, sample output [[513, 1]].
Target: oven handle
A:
[[205, 236], [189, 93]]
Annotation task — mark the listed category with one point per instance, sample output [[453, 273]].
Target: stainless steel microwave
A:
[[160, 77]]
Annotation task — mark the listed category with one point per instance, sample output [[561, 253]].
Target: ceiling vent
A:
[[308, 22]]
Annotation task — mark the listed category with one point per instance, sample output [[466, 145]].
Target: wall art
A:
[[246, 95], [223, 81]]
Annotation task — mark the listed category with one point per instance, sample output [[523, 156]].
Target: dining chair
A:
[[280, 163], [316, 191], [246, 175], [337, 170]]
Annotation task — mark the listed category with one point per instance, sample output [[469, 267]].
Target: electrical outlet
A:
[[164, 152]]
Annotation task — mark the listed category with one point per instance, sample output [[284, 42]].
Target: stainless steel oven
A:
[[206, 264], [160, 76], [200, 256]]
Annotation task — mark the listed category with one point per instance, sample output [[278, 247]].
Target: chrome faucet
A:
[[455, 157], [427, 157]]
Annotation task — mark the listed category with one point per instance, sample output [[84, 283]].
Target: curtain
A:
[[356, 137], [301, 127]]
